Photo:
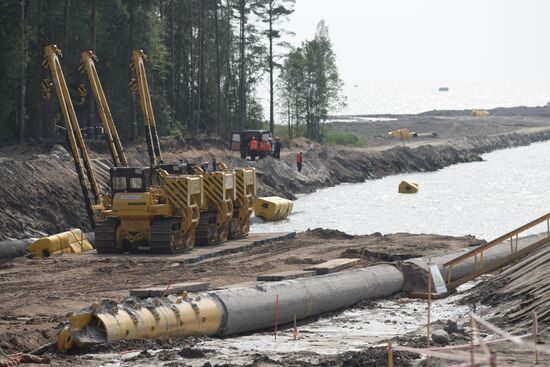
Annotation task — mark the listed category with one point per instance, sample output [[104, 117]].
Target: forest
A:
[[207, 61]]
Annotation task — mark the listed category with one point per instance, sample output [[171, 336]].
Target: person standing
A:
[[263, 148], [278, 147], [299, 160], [253, 148]]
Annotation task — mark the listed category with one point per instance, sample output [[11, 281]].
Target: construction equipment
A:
[[162, 208], [139, 83], [272, 208], [403, 134], [115, 146], [147, 207], [152, 210], [90, 189], [70, 242]]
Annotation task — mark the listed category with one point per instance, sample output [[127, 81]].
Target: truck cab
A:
[[240, 141]]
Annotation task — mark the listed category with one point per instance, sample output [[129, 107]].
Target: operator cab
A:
[[130, 179]]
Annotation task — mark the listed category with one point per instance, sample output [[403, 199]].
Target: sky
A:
[[436, 41]]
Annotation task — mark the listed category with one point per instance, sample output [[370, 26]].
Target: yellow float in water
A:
[[73, 241], [480, 113], [272, 207], [408, 187]]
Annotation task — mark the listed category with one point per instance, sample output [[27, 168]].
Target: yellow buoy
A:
[[408, 187], [272, 207], [72, 241]]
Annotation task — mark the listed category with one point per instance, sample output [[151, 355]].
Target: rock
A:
[[191, 353], [451, 327], [440, 336]]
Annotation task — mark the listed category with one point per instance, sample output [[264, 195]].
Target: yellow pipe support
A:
[[186, 315], [73, 241], [272, 207]]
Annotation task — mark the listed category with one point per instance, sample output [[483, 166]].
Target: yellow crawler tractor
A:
[[157, 216], [162, 208], [146, 207]]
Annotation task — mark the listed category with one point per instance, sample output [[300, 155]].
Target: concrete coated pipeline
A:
[[10, 249], [240, 310], [493, 258], [253, 308], [229, 311]]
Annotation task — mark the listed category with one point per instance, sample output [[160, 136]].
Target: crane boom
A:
[[140, 82], [74, 135], [115, 146]]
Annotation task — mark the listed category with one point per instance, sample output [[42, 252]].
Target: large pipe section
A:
[[252, 308], [246, 309], [228, 311], [493, 258]]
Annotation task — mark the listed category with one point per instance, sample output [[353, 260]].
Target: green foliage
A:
[[193, 47], [336, 137], [310, 84]]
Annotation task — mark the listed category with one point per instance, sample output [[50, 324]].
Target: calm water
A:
[[485, 199], [384, 98]]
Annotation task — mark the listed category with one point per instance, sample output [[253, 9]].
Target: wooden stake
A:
[[295, 331], [390, 354], [276, 315], [493, 359], [472, 356], [429, 308], [536, 336]]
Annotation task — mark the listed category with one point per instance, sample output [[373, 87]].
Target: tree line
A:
[[206, 61]]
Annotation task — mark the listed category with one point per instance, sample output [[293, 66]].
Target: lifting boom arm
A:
[[113, 140], [140, 82], [74, 135]]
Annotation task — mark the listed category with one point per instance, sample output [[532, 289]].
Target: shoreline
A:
[[51, 202]]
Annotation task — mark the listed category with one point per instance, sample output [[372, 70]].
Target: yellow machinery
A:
[[243, 206], [408, 187], [403, 134], [188, 315], [272, 207], [480, 113], [90, 190], [162, 207], [140, 84], [217, 209], [147, 207], [72, 241], [159, 217], [115, 146]]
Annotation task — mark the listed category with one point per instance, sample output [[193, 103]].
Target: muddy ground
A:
[[37, 294], [40, 193]]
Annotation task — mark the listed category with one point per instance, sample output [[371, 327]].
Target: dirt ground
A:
[[37, 293]]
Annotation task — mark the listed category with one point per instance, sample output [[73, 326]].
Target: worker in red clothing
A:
[[253, 148], [263, 148], [299, 160]]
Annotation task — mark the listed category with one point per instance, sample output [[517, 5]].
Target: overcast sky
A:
[[435, 41]]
